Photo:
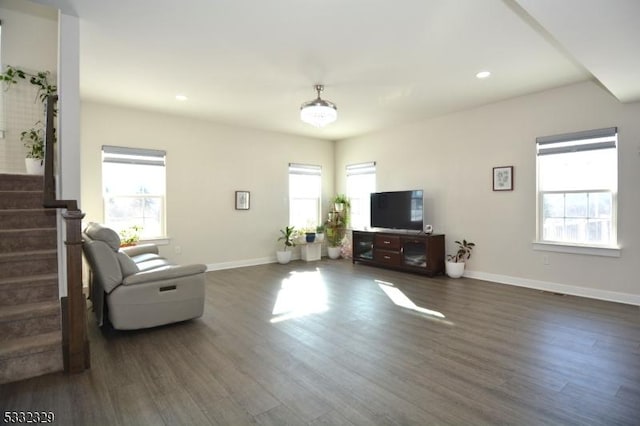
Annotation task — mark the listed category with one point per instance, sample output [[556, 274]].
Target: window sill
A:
[[159, 241], [577, 249]]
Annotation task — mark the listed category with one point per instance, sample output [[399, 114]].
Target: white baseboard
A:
[[245, 262], [592, 293]]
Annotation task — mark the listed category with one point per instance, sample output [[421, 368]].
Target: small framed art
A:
[[503, 178], [242, 200]]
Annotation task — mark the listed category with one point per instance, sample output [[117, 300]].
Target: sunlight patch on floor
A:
[[303, 293], [400, 299]]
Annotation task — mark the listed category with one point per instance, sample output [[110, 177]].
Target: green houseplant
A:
[[40, 79], [456, 262], [287, 235], [33, 140], [34, 137], [335, 229], [130, 236]]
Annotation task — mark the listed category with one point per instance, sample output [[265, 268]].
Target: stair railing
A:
[[75, 342]]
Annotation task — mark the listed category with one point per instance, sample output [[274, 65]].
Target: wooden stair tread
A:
[[9, 182], [27, 211], [26, 280], [31, 344], [29, 310], [24, 230], [33, 253]]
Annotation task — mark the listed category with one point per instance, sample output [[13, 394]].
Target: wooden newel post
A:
[[75, 339]]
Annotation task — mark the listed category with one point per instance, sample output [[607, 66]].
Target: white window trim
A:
[[159, 241], [565, 247], [310, 170], [110, 151], [592, 250], [366, 168]]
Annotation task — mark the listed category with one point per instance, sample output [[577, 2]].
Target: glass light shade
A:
[[318, 113]]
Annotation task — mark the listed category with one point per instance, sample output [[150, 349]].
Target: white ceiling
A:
[[253, 62]]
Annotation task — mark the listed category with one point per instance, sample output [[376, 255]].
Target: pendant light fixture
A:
[[318, 112]]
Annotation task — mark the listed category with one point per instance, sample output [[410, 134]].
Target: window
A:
[[361, 182], [305, 189], [133, 189], [577, 188]]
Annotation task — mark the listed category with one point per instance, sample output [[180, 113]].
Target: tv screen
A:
[[397, 210]]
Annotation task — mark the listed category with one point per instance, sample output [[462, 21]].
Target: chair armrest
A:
[[140, 249], [165, 273]]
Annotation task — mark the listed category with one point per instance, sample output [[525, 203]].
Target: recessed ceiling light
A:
[[483, 74], [181, 98]]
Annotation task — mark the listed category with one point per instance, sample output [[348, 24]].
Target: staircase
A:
[[30, 318]]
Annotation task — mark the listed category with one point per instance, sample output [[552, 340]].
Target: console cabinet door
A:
[[363, 245], [414, 252]]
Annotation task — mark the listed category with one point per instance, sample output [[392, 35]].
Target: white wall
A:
[[29, 41], [452, 157], [29, 35], [206, 164]]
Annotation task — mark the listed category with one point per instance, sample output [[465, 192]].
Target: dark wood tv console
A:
[[420, 253]]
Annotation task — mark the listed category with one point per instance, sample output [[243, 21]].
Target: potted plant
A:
[[342, 205], [310, 235], [335, 229], [130, 236], [33, 140], [287, 235], [320, 233], [34, 137], [340, 202], [455, 262]]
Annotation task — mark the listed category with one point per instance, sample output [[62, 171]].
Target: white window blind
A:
[[577, 187], [134, 189]]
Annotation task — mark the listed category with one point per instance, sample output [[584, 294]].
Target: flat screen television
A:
[[397, 210]]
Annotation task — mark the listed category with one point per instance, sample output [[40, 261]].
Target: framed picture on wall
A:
[[242, 200], [503, 178]]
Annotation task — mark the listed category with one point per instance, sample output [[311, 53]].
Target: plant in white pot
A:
[[320, 233], [455, 262], [34, 142], [342, 206], [288, 235], [34, 137]]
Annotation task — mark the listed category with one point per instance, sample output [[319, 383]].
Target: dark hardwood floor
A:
[[329, 342]]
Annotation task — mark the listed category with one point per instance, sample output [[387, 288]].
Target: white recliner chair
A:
[[139, 287]]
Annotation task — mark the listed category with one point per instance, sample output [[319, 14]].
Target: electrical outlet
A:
[[545, 260], [177, 249]]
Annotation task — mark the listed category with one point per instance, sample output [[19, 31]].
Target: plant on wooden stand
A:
[[342, 205], [288, 235], [455, 262], [335, 229]]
